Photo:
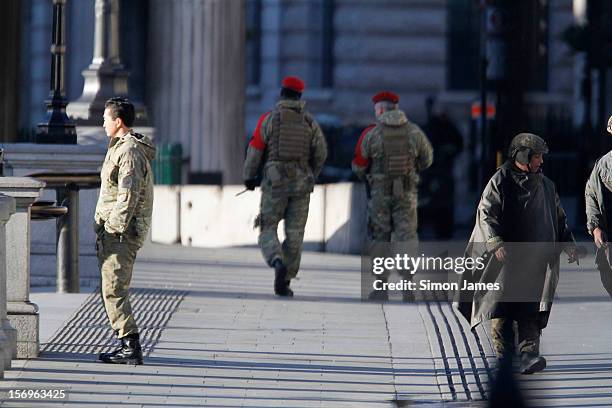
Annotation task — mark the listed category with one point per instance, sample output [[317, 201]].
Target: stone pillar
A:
[[8, 335], [22, 314], [199, 98], [106, 77]]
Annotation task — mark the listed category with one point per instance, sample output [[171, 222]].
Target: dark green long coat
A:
[[522, 211]]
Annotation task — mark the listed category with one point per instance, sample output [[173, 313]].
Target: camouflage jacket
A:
[[295, 178], [598, 195], [125, 203], [370, 153]]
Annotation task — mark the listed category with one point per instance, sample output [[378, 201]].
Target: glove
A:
[[98, 227], [250, 184]]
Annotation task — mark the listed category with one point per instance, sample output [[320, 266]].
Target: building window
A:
[[463, 44], [253, 42], [320, 52], [327, 40], [528, 27]]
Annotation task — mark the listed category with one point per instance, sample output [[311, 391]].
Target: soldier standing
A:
[[389, 156], [122, 220], [289, 146], [520, 230]]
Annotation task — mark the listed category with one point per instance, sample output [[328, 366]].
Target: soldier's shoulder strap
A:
[[412, 128], [309, 118]]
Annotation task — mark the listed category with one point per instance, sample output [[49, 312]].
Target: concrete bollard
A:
[[345, 218], [22, 314]]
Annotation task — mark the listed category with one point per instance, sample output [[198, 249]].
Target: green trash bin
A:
[[167, 164]]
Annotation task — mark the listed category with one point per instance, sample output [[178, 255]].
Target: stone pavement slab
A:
[[217, 337]]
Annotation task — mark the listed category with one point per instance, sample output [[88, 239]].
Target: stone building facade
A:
[[205, 89]]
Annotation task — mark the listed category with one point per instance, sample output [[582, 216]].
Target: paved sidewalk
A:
[[216, 337]]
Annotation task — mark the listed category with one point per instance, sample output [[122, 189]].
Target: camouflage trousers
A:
[[502, 335], [294, 210], [392, 219], [389, 216], [116, 260]]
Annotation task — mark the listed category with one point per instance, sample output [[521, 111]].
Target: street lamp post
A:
[[57, 128]]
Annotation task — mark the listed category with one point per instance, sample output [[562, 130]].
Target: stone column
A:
[[198, 99], [106, 77], [22, 314], [8, 335]]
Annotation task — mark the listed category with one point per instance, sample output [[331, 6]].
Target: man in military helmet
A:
[[389, 156], [122, 220], [519, 205], [289, 146]]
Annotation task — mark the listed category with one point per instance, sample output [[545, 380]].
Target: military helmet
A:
[[524, 145]]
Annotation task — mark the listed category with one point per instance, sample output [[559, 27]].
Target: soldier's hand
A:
[[501, 254], [250, 184], [601, 241]]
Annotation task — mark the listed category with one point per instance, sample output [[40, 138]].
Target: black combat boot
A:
[[289, 291], [379, 296], [106, 356], [531, 363], [129, 353], [281, 285]]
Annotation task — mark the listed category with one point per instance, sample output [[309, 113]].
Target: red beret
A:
[[294, 83], [386, 96]]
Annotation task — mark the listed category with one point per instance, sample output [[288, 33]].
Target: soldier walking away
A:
[[122, 220], [389, 156], [518, 205], [288, 145], [598, 198]]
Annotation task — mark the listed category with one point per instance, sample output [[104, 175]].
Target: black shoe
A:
[[531, 363], [379, 296], [106, 356], [281, 286], [129, 353]]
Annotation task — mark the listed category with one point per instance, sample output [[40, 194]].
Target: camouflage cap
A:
[[527, 143]]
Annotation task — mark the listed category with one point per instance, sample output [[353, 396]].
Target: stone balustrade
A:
[[8, 335], [22, 314]]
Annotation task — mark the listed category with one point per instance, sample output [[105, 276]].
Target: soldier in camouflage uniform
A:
[[122, 220], [389, 155], [518, 205], [289, 147]]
